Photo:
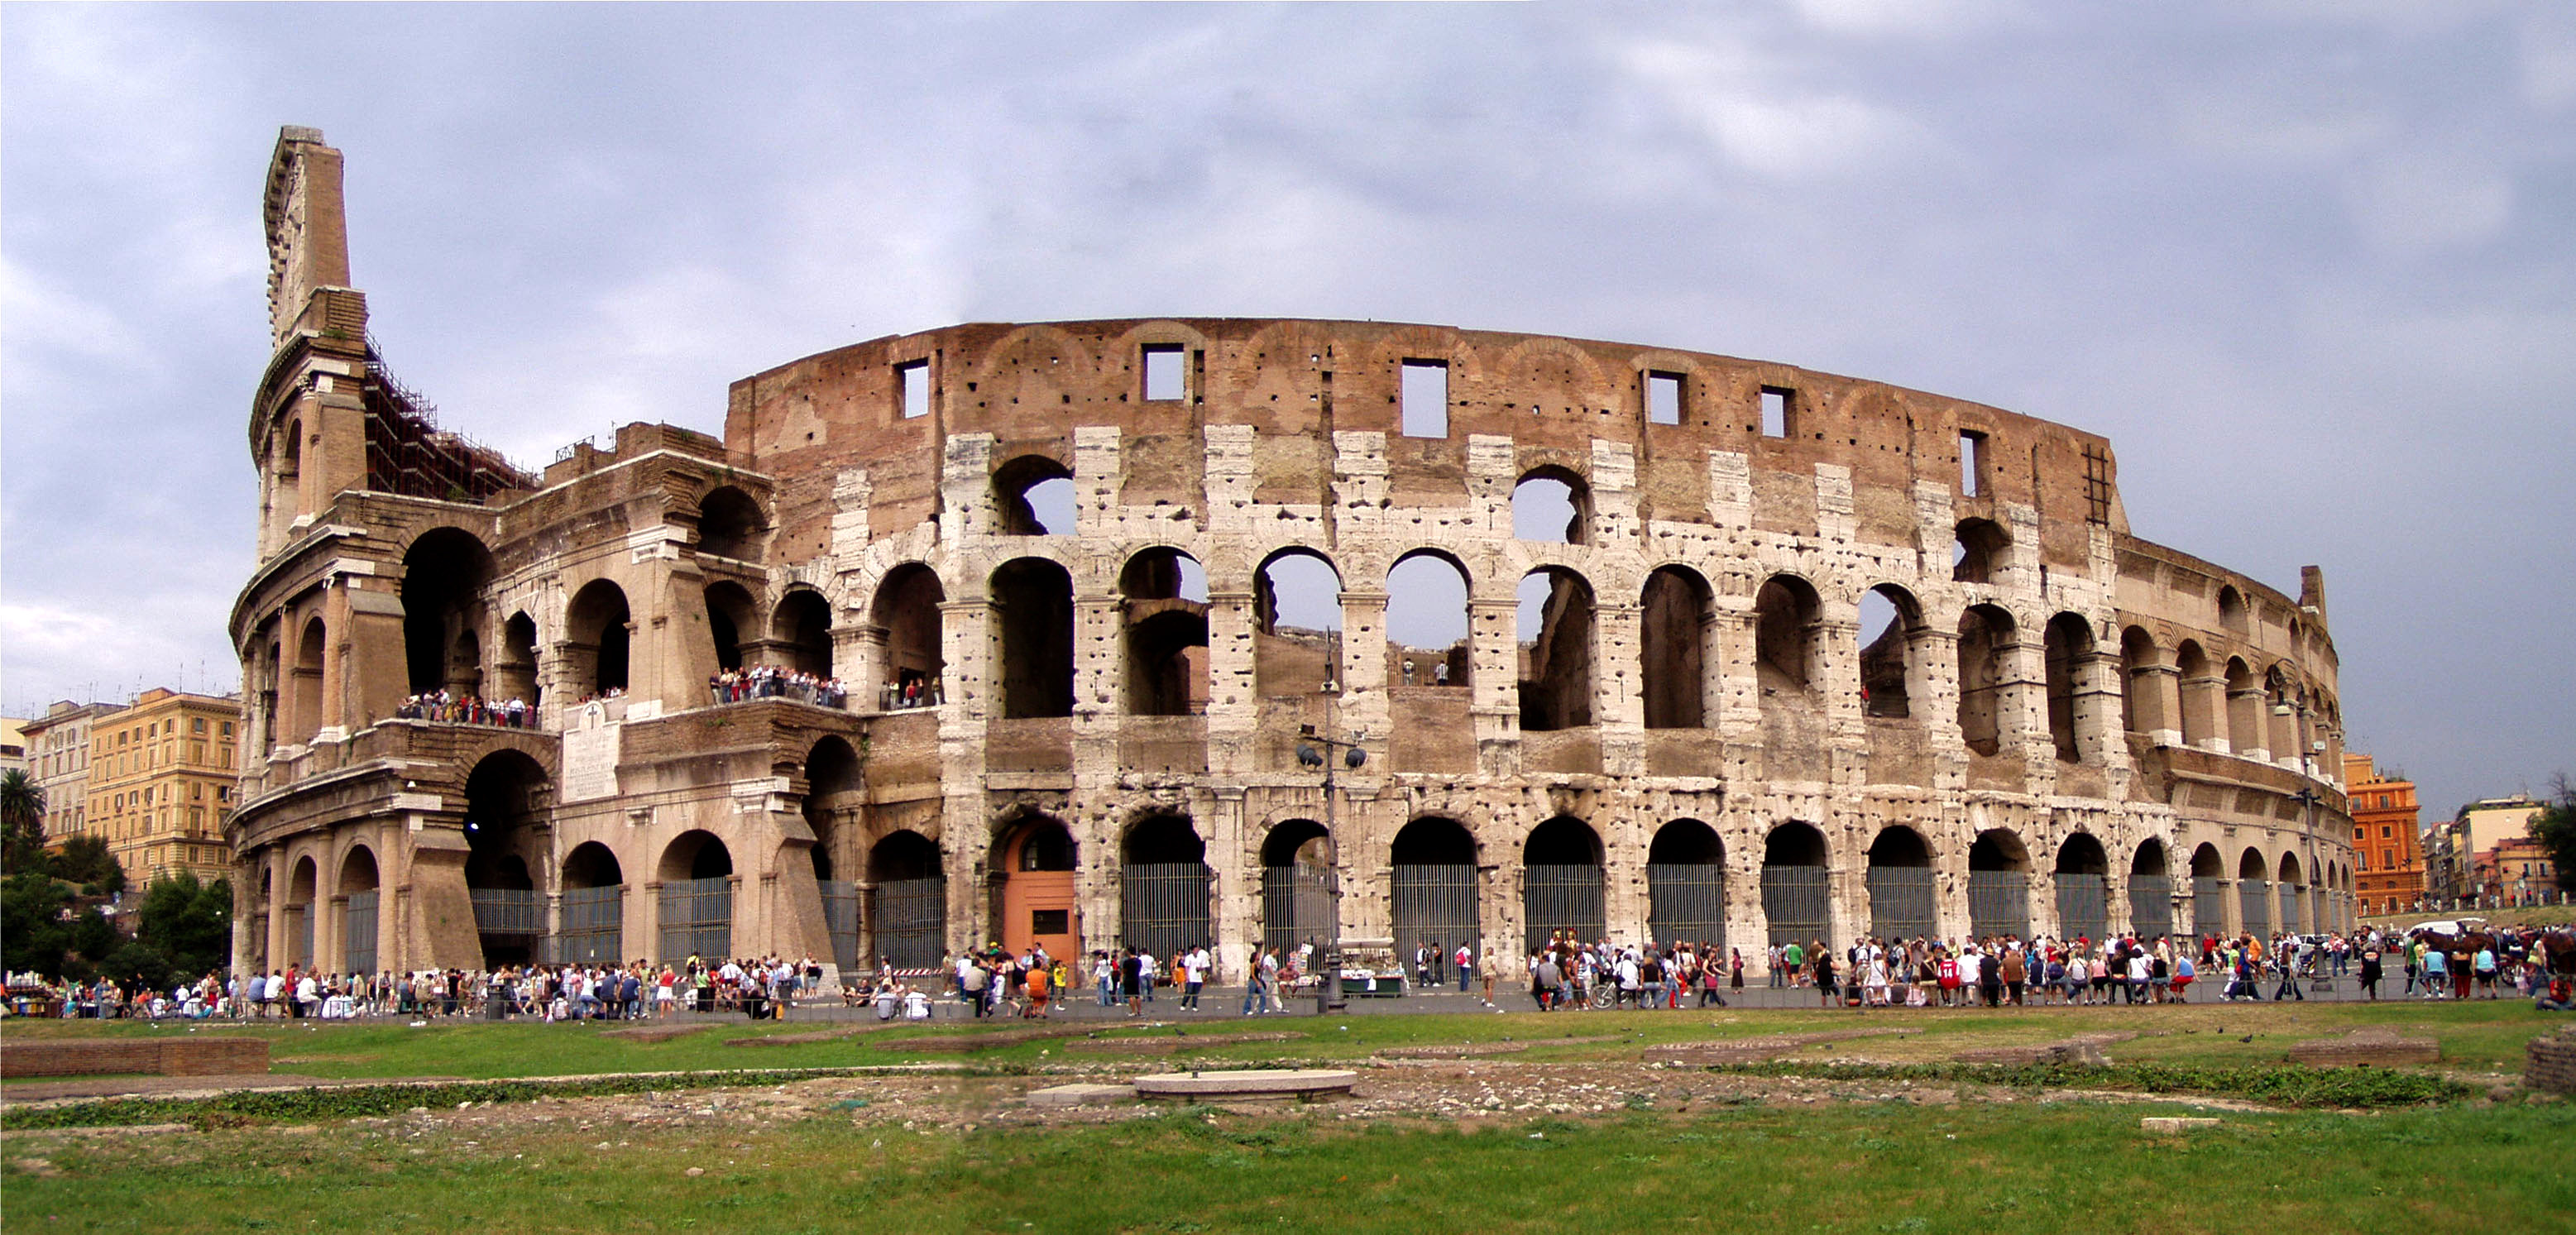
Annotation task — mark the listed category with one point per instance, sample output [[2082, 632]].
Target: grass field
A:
[[1860, 1167]]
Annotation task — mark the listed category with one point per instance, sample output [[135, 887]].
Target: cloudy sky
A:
[[2312, 267]]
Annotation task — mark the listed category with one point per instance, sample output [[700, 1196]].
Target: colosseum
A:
[[1225, 630]]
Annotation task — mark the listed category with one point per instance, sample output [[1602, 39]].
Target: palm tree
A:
[[22, 821]]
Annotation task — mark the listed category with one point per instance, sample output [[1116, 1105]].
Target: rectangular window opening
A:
[[1426, 398], [1162, 372], [1972, 461], [1775, 412], [1663, 398], [915, 378], [1050, 921]]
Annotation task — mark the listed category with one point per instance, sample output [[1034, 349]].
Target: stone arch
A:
[[1986, 640], [1556, 650], [1903, 889], [592, 865], [1552, 504], [516, 669], [302, 892], [1300, 895], [1033, 637], [906, 613], [509, 841], [1033, 903], [356, 902], [1164, 885], [598, 636], [1892, 633], [1297, 623], [1435, 885], [2067, 654], [2245, 720], [1998, 885], [1033, 495], [445, 571], [1562, 882], [1676, 620], [2151, 890], [698, 882], [835, 796], [2083, 888], [1686, 886], [730, 524], [2254, 893], [1164, 614], [2231, 610], [801, 629], [1979, 551], [905, 916], [1787, 615], [1427, 593], [1797, 900], [730, 613], [2208, 891], [312, 650], [2143, 704], [2203, 696], [2293, 895]]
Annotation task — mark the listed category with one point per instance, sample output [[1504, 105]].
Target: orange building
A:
[[2388, 856]]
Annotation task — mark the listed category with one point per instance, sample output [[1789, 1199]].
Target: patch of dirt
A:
[[652, 1033]]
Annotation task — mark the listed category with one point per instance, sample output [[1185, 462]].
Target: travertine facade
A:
[[2065, 726]]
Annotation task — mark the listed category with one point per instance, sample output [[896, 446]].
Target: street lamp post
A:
[[1328, 989]]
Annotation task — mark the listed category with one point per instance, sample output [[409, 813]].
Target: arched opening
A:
[[1985, 648], [1033, 496], [444, 574], [2254, 894], [2282, 706], [2083, 889], [1165, 616], [1426, 621], [697, 897], [1901, 889], [1786, 614], [1562, 885], [594, 907], [285, 490], [729, 613], [517, 668], [834, 798], [908, 902], [1033, 631], [597, 634], [2142, 695], [507, 838], [300, 913], [272, 676], [1300, 893], [309, 653], [1686, 886], [358, 904], [730, 524], [2208, 892], [1435, 887], [802, 630], [1674, 620], [2068, 649], [1978, 551], [1163, 887], [1555, 650], [1797, 896], [1034, 905], [1297, 616], [1551, 504], [2245, 709], [1890, 622], [2231, 610], [2294, 897], [2150, 891], [2204, 703], [1998, 886], [907, 610]]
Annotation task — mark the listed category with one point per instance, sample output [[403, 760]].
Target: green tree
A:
[[86, 860], [33, 935], [138, 966], [2555, 828], [189, 923], [22, 823]]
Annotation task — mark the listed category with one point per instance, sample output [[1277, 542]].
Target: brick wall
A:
[[109, 1056], [2551, 1062]]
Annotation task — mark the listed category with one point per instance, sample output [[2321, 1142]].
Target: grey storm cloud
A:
[[2307, 265]]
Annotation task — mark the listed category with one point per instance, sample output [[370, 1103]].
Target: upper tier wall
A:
[[1297, 382]]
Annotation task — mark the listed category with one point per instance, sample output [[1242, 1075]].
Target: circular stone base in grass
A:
[[1305, 1083]]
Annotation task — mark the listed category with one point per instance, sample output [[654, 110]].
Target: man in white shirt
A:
[[1145, 974], [1193, 977]]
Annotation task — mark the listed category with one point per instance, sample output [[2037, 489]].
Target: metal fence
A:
[[2294, 909], [1998, 903], [1163, 907], [509, 911], [841, 921], [910, 918], [1686, 902], [594, 926], [2254, 899], [359, 933], [1299, 903], [2083, 906], [1901, 903], [2208, 906], [697, 918], [299, 935], [2151, 906], [1567, 897], [1433, 904], [1798, 900]]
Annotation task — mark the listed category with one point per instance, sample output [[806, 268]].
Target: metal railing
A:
[[1561, 897], [697, 918], [359, 932], [1797, 901], [1686, 901], [1163, 906], [1902, 902]]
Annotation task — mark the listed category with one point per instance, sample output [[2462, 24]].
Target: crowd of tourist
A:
[[773, 682], [441, 705]]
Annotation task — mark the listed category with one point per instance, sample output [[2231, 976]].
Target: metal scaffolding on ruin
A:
[[407, 453]]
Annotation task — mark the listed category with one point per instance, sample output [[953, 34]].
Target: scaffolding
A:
[[407, 453]]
